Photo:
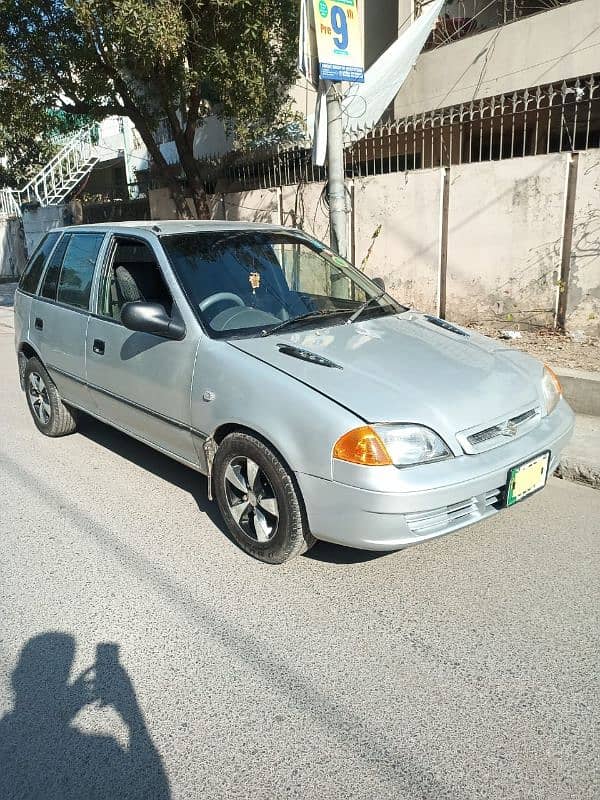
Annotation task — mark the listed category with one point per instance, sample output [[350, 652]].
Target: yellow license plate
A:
[[527, 478]]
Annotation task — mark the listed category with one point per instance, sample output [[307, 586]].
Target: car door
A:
[[59, 315], [140, 382]]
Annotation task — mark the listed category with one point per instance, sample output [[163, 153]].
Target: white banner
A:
[[308, 59]]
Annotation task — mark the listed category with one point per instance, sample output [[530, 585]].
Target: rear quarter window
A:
[[78, 266], [50, 282], [31, 277]]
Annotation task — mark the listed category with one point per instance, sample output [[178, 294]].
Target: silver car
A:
[[317, 405]]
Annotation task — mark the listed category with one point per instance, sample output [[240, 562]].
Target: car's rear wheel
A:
[[51, 416], [259, 500]]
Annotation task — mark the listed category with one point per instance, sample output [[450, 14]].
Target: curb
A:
[[580, 460], [581, 390], [577, 471]]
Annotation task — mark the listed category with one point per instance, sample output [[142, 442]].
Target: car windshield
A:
[[247, 283]]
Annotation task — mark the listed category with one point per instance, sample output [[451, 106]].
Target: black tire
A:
[[55, 418], [289, 536]]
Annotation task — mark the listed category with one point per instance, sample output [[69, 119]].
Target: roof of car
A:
[[170, 226]]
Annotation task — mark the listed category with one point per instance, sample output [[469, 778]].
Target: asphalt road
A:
[[465, 668]]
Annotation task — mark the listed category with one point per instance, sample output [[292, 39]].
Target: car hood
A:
[[406, 368]]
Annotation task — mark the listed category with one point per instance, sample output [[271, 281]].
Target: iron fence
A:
[[536, 121], [462, 18]]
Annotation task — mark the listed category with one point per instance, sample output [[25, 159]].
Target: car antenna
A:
[[156, 229]]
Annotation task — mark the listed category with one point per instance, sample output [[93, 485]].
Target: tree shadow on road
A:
[[195, 484], [43, 756]]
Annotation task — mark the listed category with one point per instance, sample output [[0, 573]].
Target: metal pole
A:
[[443, 270], [567, 242], [335, 170]]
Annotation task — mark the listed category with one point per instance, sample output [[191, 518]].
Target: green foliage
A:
[[26, 136], [147, 59]]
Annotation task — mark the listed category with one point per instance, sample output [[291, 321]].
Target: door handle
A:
[[98, 347], [39, 324]]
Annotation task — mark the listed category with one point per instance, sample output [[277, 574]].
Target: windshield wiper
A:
[[287, 322], [356, 314]]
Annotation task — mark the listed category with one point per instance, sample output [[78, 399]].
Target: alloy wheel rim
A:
[[40, 400], [251, 499]]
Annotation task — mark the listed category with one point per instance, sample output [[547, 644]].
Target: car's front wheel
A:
[[259, 500], [50, 414]]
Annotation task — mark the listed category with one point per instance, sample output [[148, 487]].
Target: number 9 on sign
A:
[[339, 25]]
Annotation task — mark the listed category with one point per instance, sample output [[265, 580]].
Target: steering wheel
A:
[[217, 297]]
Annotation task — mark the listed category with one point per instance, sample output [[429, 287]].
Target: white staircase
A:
[[56, 180]]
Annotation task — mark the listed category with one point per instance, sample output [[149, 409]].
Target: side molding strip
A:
[[157, 415]]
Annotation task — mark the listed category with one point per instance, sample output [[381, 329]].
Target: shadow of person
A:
[[44, 756]]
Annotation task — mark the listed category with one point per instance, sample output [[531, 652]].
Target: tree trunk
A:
[[192, 173], [164, 170]]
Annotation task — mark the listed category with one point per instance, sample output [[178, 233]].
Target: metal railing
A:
[[462, 18], [534, 121], [8, 205], [57, 179]]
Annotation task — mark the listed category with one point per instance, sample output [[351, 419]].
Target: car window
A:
[[132, 275], [31, 277], [50, 282], [79, 262], [308, 272], [245, 282]]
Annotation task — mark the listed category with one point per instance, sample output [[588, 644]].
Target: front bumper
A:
[[458, 492]]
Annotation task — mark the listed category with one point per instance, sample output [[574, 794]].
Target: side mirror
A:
[[152, 318], [379, 282]]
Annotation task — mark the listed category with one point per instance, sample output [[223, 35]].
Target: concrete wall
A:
[[12, 249], [504, 244], [303, 207], [406, 251], [163, 207], [298, 206], [260, 205], [583, 304], [39, 221], [505, 225], [544, 48]]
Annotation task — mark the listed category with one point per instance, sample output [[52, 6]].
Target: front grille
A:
[[456, 515], [523, 417], [483, 436], [502, 432]]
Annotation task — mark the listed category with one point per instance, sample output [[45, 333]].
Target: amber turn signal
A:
[[362, 446], [554, 378]]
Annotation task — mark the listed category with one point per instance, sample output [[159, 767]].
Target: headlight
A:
[[551, 388], [383, 445]]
